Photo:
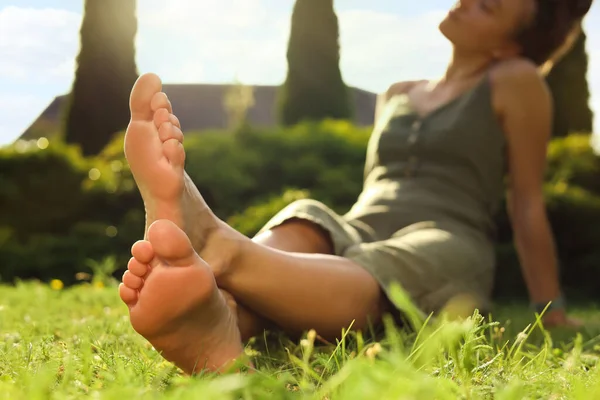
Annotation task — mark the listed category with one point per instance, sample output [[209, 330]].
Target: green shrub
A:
[[572, 161], [236, 171], [572, 196], [54, 216], [255, 217], [59, 209]]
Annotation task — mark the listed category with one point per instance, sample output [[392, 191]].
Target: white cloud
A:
[[37, 44], [379, 48], [217, 40], [205, 19], [37, 58], [16, 112]]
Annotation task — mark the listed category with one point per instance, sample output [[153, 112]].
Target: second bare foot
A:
[[175, 304]]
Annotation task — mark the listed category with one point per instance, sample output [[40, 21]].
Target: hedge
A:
[[58, 209]]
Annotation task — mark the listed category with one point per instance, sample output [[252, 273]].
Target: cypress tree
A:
[[570, 91], [106, 71], [314, 88]]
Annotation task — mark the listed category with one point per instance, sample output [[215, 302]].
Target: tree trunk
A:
[[106, 71], [314, 88]]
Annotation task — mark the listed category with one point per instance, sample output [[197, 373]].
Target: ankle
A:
[[229, 267], [223, 249]]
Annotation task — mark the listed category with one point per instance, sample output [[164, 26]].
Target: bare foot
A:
[[175, 304], [154, 150]]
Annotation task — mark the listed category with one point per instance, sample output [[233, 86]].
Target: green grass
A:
[[77, 342]]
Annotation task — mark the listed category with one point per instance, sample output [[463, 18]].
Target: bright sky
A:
[[213, 41]]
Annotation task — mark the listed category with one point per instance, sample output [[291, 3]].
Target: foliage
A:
[[573, 203], [314, 88], [570, 91], [236, 171], [59, 209], [52, 223], [106, 71], [256, 216]]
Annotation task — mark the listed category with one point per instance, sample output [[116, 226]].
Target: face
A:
[[486, 26]]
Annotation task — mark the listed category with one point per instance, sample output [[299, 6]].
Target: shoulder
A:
[[523, 103], [519, 81], [402, 87], [517, 69]]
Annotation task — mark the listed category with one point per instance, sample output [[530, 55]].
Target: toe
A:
[[174, 120], [169, 131], [142, 93], [161, 116], [160, 100], [173, 150], [128, 295], [137, 268], [142, 251], [171, 244], [132, 281]]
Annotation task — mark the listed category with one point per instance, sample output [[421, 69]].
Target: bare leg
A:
[[294, 236], [296, 291], [303, 291]]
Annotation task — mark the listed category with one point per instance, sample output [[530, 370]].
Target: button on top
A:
[[416, 125], [412, 138], [412, 161]]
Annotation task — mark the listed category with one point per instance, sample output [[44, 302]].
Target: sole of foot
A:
[[175, 304], [154, 150]]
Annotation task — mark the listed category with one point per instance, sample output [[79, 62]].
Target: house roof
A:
[[200, 107]]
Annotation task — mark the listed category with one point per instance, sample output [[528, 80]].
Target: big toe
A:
[[171, 244], [140, 101]]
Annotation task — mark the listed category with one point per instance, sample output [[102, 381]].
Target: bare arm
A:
[[524, 103]]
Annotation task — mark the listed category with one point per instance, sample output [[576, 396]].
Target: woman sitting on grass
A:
[[434, 178]]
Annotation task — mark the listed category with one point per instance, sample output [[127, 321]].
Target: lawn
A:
[[58, 343]]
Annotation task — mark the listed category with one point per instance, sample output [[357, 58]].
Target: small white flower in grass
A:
[[310, 339], [373, 351], [521, 337]]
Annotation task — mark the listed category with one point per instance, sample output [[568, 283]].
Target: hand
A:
[[560, 319]]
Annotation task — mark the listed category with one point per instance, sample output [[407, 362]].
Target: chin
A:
[[445, 28]]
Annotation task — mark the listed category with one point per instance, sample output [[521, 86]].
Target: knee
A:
[[309, 206], [367, 303]]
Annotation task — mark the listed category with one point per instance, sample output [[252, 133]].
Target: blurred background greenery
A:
[[68, 200]]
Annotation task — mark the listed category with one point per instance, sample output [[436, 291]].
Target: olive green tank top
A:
[[446, 166]]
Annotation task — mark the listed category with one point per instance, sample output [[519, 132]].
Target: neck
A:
[[464, 65]]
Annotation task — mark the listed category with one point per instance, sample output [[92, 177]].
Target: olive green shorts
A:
[[433, 262]]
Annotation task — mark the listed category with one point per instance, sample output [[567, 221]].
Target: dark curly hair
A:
[[552, 23]]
